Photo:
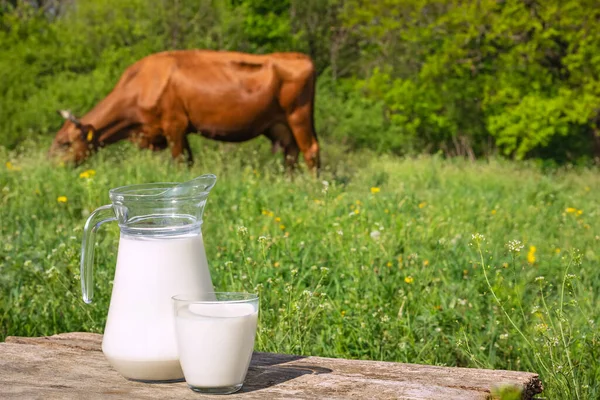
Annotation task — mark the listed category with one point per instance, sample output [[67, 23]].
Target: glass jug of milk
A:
[[161, 254]]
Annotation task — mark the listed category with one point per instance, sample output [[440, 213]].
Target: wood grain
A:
[[72, 366]]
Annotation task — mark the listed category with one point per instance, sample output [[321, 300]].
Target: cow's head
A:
[[74, 141]]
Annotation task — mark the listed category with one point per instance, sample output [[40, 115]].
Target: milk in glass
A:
[[216, 343]]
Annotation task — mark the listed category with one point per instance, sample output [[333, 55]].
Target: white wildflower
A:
[[515, 246], [375, 235]]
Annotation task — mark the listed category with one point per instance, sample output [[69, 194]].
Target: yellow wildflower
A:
[[87, 174], [276, 264], [343, 313], [409, 279], [570, 210], [493, 212], [277, 219], [287, 234], [587, 188], [423, 204], [265, 212], [531, 254], [386, 211], [557, 250], [579, 212], [282, 227], [358, 202], [270, 213], [389, 264], [425, 263], [357, 211], [61, 199], [375, 190], [11, 167]]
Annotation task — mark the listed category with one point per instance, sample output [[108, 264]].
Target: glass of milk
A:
[[215, 338]]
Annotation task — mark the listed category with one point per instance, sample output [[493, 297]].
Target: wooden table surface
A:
[[72, 366]]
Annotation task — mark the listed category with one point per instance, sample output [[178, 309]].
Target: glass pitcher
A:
[[161, 254]]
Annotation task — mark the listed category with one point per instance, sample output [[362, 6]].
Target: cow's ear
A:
[[88, 134]]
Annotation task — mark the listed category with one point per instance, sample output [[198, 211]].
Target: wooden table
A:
[[72, 366]]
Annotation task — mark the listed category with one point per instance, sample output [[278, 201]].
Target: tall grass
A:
[[371, 261]]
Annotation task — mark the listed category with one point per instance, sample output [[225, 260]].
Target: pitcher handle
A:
[[98, 217]]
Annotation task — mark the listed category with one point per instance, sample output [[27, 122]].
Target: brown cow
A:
[[226, 96]]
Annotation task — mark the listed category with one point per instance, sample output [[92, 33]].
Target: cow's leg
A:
[[174, 130], [300, 123], [188, 150], [281, 136], [290, 155]]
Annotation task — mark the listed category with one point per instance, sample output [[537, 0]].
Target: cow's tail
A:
[[312, 101]]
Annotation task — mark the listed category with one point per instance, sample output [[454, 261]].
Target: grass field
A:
[[489, 264]]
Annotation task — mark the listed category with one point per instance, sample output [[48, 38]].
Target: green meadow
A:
[[491, 264]]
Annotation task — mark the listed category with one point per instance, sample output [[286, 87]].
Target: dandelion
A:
[[87, 174], [579, 212], [515, 246], [11, 167], [423, 204], [276, 264], [375, 235], [343, 313], [425, 263], [531, 254], [61, 199], [389, 264], [557, 250], [282, 227], [357, 211], [493, 212], [375, 190], [409, 279], [277, 219], [386, 211]]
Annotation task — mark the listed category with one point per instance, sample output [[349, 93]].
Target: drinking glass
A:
[[215, 338]]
